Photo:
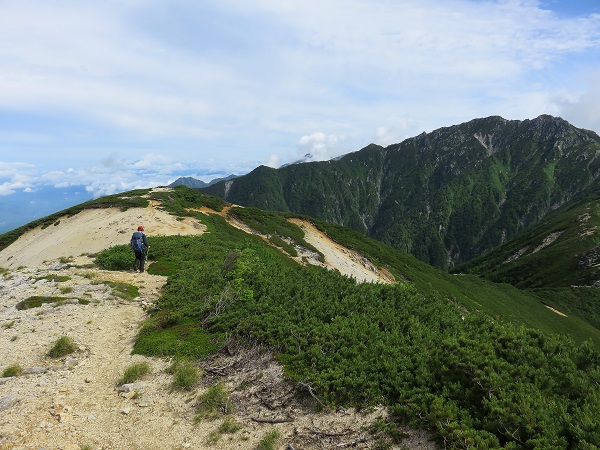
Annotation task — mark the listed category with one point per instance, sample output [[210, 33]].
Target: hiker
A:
[[139, 245]]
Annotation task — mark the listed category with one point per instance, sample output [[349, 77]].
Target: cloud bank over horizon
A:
[[118, 95]]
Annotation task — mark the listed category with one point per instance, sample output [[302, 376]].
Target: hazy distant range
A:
[[22, 207]]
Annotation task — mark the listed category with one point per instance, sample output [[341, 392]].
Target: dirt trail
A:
[[71, 402]]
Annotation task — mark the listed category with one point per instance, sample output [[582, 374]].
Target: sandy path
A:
[[556, 311], [73, 401]]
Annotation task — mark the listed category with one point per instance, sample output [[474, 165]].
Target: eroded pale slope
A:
[[92, 231]]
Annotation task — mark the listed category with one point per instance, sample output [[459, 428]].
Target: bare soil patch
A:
[[346, 261]]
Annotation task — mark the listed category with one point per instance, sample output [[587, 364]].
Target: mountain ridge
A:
[[194, 183], [446, 196], [453, 354], [81, 300]]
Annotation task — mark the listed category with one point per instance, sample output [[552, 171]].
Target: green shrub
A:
[[432, 358], [185, 376], [229, 425], [63, 346], [134, 372], [119, 257], [212, 402], [13, 370], [269, 441]]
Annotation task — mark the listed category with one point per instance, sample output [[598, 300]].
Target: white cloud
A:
[[320, 147], [113, 162], [157, 163], [582, 107], [6, 188], [274, 161], [226, 85], [8, 168], [113, 174], [393, 133]]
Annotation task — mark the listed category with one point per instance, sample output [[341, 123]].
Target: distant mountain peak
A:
[[445, 196], [194, 183]]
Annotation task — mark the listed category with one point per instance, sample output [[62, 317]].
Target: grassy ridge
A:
[[422, 348]]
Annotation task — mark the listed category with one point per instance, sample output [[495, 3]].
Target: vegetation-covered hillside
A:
[[558, 261], [445, 197], [561, 251], [480, 364]]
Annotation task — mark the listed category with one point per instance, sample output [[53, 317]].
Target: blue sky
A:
[[119, 94]]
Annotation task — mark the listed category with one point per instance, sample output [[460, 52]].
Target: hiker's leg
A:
[[139, 261]]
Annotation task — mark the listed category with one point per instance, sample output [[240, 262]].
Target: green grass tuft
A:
[[269, 441], [63, 346], [36, 301], [123, 290], [13, 370], [185, 376], [229, 425], [135, 372], [55, 278], [214, 401]]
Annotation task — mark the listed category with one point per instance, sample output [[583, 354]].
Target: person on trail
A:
[[139, 245]]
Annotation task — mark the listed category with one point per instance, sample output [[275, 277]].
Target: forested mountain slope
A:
[[447, 196], [563, 250]]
